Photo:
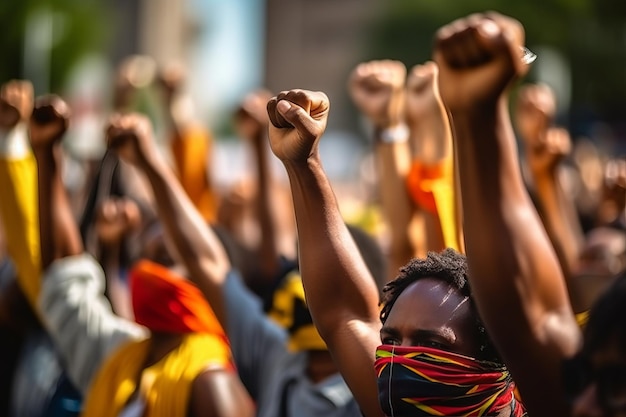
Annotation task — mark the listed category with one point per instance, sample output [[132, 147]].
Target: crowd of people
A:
[[496, 290]]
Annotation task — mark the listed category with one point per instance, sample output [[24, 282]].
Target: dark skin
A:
[[341, 294], [546, 146], [251, 122], [515, 274], [377, 89], [431, 313], [215, 392]]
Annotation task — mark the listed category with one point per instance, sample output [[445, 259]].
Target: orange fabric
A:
[[166, 302], [432, 188], [192, 155]]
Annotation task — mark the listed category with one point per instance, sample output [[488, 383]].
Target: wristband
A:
[[395, 134]]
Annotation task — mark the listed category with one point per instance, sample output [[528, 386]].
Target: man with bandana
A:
[[435, 357]]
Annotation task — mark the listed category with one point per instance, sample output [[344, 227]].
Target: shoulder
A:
[[218, 392]]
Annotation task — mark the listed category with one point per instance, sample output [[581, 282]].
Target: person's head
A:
[[436, 357], [602, 258], [595, 379], [430, 304], [289, 310]]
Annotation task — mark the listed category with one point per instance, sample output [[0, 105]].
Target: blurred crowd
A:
[[132, 285]]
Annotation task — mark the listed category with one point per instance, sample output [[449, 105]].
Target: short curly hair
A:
[[448, 266]]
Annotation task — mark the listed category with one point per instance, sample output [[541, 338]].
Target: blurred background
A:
[[72, 47]]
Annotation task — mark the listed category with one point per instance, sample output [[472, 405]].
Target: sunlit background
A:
[[230, 47]]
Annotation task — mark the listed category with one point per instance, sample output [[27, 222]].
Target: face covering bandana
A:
[[420, 381], [166, 302]]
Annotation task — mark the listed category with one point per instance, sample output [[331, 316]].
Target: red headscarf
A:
[[164, 301]]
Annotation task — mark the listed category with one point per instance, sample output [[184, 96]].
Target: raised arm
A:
[[340, 292], [74, 309], [192, 241], [252, 123], [377, 89], [60, 236], [18, 187], [514, 272], [546, 146], [431, 180], [190, 143]]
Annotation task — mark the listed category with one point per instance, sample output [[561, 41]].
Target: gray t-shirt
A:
[[274, 376]]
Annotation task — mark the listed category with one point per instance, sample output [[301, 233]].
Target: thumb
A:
[[296, 116]]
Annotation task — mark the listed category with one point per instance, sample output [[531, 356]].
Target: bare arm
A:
[[60, 236], [219, 393], [431, 144], [252, 122], [194, 243], [74, 309], [514, 272], [377, 89], [190, 143], [340, 292], [546, 146]]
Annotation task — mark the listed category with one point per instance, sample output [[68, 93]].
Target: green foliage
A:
[[81, 29]]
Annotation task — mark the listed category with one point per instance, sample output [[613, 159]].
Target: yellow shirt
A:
[[19, 208]]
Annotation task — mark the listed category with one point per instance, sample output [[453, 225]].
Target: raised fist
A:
[[115, 218], [49, 121], [16, 102], [426, 115], [171, 79], [130, 136], [613, 200], [545, 152], [298, 120], [479, 56], [377, 89], [251, 119], [535, 110], [422, 92]]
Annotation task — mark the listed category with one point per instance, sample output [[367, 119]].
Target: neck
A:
[[162, 344]]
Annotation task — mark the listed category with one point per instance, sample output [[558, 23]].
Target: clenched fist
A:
[[377, 89], [130, 136], [298, 120], [49, 121], [545, 152], [16, 103], [479, 56], [535, 110], [251, 118]]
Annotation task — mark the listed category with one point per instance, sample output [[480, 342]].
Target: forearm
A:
[[191, 147], [556, 209], [117, 291], [515, 276], [341, 295], [60, 236], [334, 274], [394, 162], [196, 246], [503, 233], [266, 211]]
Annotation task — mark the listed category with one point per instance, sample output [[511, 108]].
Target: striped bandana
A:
[[420, 381]]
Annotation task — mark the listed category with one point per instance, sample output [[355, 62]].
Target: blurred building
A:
[[314, 45]]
